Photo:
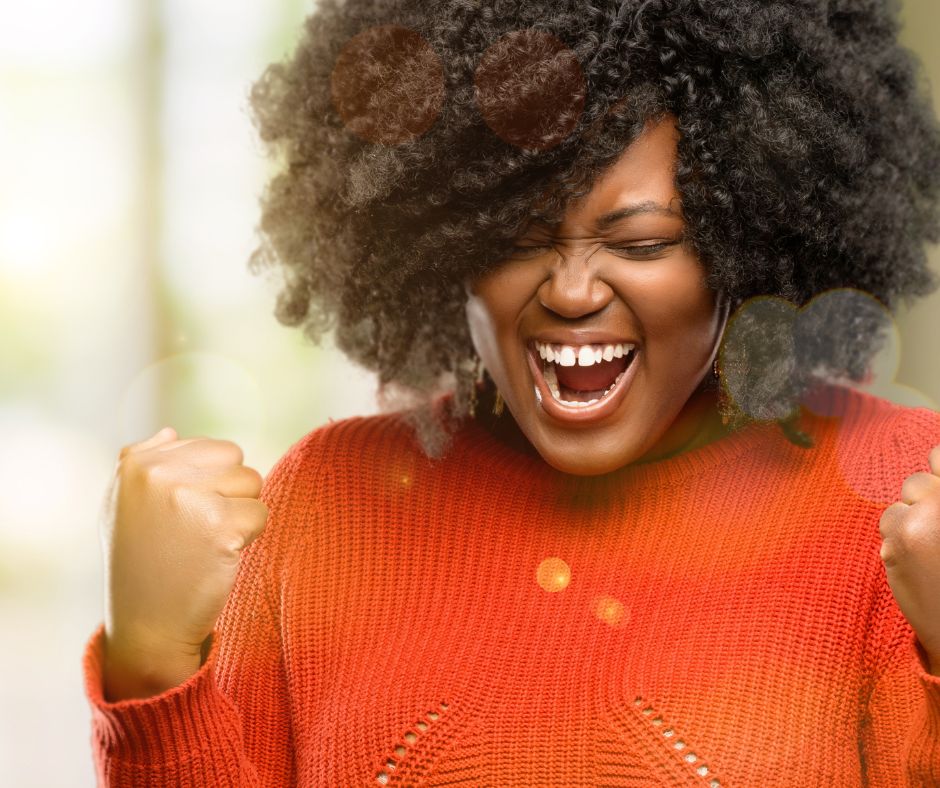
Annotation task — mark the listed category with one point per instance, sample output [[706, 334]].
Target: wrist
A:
[[133, 671]]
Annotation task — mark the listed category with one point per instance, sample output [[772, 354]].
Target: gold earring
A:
[[722, 397], [477, 374], [498, 404]]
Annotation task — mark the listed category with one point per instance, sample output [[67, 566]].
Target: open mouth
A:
[[581, 382]]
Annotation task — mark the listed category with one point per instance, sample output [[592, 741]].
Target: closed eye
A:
[[647, 250], [641, 251]]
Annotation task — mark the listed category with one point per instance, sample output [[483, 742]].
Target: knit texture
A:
[[719, 618]]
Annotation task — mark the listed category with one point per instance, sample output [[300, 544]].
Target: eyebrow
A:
[[627, 211]]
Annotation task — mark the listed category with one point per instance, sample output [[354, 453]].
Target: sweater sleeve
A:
[[900, 729], [900, 726], [228, 724]]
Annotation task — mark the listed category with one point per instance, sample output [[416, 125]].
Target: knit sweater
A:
[[719, 618]]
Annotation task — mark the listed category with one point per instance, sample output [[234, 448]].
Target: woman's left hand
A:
[[910, 530]]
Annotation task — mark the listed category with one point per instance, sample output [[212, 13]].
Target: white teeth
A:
[[551, 378], [582, 355]]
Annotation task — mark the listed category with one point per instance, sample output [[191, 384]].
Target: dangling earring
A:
[[498, 404], [725, 418], [477, 366]]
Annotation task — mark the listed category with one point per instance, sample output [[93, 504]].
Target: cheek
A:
[[677, 314]]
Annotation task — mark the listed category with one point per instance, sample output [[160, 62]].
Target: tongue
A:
[[596, 377]]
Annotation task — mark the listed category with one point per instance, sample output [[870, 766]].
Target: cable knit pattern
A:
[[720, 618]]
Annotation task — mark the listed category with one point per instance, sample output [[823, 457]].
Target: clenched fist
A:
[[910, 529], [176, 517]]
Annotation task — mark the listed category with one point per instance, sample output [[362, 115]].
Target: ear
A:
[[724, 305], [725, 302]]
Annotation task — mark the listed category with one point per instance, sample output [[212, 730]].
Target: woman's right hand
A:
[[176, 517]]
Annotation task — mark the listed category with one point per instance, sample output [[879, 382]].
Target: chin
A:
[[577, 466], [581, 453]]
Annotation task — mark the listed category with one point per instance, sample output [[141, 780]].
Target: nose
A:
[[573, 288]]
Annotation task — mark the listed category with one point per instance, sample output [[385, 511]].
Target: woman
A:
[[628, 530]]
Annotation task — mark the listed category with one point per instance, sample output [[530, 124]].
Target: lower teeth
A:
[[551, 379]]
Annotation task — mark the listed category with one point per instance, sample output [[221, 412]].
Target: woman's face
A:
[[619, 310]]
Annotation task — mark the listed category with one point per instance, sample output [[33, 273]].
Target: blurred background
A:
[[130, 178]]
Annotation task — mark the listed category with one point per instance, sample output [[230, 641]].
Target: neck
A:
[[697, 424]]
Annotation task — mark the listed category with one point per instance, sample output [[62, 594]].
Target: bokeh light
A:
[[388, 85], [534, 114], [214, 394], [610, 610], [768, 335], [553, 574]]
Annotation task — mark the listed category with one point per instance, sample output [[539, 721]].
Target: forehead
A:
[[639, 185]]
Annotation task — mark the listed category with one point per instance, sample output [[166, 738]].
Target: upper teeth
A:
[[582, 355]]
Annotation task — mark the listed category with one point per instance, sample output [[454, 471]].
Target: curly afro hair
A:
[[417, 138]]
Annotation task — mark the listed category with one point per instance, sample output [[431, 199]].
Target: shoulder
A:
[[877, 443], [329, 473], [861, 413], [344, 447]]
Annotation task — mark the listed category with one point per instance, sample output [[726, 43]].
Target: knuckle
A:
[[254, 513], [884, 526], [182, 497], [232, 448], [152, 473], [233, 544], [890, 519], [129, 449], [257, 520], [919, 486], [252, 538], [255, 480], [214, 518], [913, 532], [887, 554], [922, 528], [911, 484], [933, 458], [257, 528], [906, 489]]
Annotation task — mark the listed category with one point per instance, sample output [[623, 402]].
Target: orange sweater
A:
[[720, 618]]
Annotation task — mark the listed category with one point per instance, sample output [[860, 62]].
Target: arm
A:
[[229, 723], [900, 723]]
